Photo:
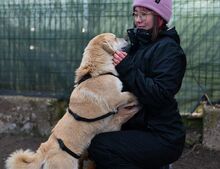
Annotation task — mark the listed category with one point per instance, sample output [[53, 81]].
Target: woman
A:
[[152, 69]]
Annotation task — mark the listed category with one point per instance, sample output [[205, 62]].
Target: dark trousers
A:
[[131, 149]]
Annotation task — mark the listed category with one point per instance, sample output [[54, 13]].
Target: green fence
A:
[[198, 22], [42, 43]]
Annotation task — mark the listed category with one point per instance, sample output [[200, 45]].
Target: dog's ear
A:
[[108, 48]]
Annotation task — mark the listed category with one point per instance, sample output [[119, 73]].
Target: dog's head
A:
[[107, 42], [98, 55]]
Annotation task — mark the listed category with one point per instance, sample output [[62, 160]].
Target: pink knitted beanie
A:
[[162, 7]]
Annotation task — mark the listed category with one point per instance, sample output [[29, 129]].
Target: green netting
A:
[[198, 22], [42, 42]]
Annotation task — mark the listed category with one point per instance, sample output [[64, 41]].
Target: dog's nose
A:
[[126, 48], [126, 38]]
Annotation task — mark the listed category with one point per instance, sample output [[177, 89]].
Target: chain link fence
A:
[[42, 42], [198, 22]]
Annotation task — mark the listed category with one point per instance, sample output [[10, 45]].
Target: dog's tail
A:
[[24, 160]]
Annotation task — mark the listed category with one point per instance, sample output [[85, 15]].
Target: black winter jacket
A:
[[153, 71]]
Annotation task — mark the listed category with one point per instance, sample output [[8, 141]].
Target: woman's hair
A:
[[157, 27]]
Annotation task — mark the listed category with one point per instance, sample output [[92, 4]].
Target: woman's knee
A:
[[98, 147], [100, 151]]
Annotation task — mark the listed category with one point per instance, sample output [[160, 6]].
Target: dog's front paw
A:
[[126, 112], [131, 99]]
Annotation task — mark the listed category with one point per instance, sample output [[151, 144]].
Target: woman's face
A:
[[143, 18]]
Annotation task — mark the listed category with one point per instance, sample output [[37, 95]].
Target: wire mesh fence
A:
[[42, 43], [198, 22]]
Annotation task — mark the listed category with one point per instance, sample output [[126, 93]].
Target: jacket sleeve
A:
[[167, 70]]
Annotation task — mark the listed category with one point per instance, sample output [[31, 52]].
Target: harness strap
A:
[[88, 76], [79, 118], [84, 78], [66, 149]]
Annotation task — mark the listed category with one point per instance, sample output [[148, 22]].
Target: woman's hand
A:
[[118, 57]]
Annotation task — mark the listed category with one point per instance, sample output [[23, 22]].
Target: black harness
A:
[[79, 118], [65, 148], [88, 76], [83, 119]]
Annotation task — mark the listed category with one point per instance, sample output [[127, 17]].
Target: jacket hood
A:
[[172, 33], [137, 35]]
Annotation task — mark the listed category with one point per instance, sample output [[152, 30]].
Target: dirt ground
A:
[[196, 157]]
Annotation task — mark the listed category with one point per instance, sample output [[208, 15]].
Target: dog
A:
[[92, 110]]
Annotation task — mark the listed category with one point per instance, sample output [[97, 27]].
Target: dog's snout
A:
[[126, 48], [123, 41], [126, 38]]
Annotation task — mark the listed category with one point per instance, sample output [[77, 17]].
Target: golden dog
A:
[[92, 109]]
